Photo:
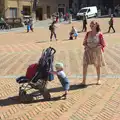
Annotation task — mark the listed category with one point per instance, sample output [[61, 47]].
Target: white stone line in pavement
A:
[[71, 76]]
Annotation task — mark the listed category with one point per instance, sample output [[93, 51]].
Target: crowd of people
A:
[[60, 17], [74, 33]]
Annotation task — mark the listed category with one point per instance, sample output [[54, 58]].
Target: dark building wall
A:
[[70, 3], [109, 3], [116, 2]]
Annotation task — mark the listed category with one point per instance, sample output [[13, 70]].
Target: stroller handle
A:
[[52, 49]]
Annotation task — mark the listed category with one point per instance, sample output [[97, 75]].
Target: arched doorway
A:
[[39, 14]]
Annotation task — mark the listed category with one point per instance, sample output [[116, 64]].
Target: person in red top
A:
[[93, 51], [111, 24]]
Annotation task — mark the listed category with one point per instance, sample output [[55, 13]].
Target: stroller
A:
[[41, 77]]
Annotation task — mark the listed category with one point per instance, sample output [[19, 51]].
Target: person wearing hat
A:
[[62, 78], [111, 23]]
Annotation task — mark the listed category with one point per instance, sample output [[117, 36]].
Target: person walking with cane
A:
[[111, 23]]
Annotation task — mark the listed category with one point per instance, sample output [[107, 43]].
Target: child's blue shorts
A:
[[65, 83], [75, 34]]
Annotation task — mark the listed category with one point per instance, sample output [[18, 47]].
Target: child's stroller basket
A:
[[41, 78]]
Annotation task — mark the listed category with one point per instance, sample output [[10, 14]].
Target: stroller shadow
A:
[[15, 99], [10, 101], [72, 87]]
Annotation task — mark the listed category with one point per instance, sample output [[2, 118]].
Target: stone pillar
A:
[[33, 15], [84, 2], [18, 9], [44, 12], [6, 9]]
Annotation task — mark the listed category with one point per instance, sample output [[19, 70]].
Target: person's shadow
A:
[[72, 87], [108, 32], [44, 41]]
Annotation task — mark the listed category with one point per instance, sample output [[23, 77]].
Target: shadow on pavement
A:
[[24, 32], [15, 99], [42, 41], [66, 39], [10, 101], [108, 33], [72, 87]]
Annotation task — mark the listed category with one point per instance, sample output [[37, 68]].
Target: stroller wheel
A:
[[46, 95], [22, 96], [22, 92]]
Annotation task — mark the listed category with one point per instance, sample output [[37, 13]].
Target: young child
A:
[[73, 33], [62, 78]]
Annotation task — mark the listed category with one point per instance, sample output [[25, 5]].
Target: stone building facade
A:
[[14, 8], [1, 6], [79, 3], [44, 8]]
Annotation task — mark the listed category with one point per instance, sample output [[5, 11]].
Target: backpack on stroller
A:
[[41, 77]]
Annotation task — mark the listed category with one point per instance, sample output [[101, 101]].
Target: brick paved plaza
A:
[[20, 49]]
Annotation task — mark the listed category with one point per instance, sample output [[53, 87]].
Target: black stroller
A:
[[41, 78]]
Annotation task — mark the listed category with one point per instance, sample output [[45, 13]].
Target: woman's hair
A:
[[97, 25]]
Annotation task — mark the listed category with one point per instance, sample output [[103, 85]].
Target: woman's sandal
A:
[[64, 95], [98, 82]]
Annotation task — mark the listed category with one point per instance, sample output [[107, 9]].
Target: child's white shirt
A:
[[62, 74]]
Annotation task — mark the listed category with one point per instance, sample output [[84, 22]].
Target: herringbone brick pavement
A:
[[92, 103]]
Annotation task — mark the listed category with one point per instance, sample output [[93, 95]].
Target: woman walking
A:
[[94, 46]]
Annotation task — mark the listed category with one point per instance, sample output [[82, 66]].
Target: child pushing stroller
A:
[[62, 78]]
